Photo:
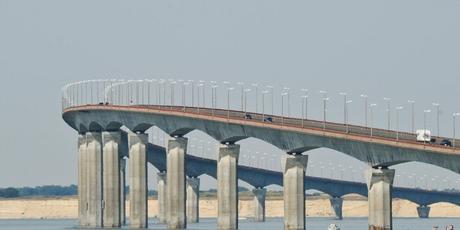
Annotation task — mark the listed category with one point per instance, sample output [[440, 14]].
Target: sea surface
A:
[[270, 224]]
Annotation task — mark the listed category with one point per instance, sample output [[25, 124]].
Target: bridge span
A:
[[100, 145]]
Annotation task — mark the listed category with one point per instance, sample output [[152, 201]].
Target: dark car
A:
[[247, 116], [268, 119], [446, 142]]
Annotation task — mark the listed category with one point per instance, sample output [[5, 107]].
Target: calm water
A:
[[274, 223]]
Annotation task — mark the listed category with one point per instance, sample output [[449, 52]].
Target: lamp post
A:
[[184, 85], [287, 90], [388, 100], [241, 84], [344, 106], [372, 117], [437, 117], [412, 102], [424, 121], [246, 91], [325, 99], [256, 86], [453, 136], [365, 109], [228, 101], [346, 115], [282, 106], [399, 108], [200, 85], [214, 97], [304, 106], [263, 104], [272, 98]]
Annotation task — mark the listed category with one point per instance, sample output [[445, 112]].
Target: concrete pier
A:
[[294, 167], [336, 204], [227, 186], [193, 200], [94, 154], [111, 180], [122, 191], [138, 180], [259, 204], [82, 181], [379, 184], [161, 185], [177, 149], [423, 211]]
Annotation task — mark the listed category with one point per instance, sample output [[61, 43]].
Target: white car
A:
[[423, 135]]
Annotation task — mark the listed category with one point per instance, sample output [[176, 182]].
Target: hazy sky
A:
[[398, 49]]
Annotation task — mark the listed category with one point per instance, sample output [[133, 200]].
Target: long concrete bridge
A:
[[99, 153]]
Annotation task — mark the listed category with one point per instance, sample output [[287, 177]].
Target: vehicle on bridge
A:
[[424, 135]]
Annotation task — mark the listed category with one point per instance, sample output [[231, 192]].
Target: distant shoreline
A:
[[66, 207]]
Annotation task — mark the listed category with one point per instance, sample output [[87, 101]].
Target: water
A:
[[270, 224]]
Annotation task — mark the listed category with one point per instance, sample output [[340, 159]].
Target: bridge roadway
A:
[[98, 126]]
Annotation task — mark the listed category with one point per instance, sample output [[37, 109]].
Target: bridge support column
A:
[[82, 181], [379, 184], [259, 204], [294, 191], [161, 183], [193, 200], [94, 154], [111, 180], [336, 204], [138, 180], [227, 187], [177, 149], [122, 190], [423, 211]]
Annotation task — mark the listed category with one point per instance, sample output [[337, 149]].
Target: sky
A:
[[398, 49]]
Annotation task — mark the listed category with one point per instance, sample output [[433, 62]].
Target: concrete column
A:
[[227, 187], [336, 204], [161, 178], [111, 180], [177, 149], [423, 211], [379, 184], [259, 204], [193, 200], [122, 190], [82, 180], [294, 167], [94, 154], [138, 180]]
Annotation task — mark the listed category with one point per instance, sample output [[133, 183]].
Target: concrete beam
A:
[[94, 151], [122, 190], [82, 181], [294, 167], [138, 180], [227, 186], [111, 180], [336, 204], [423, 211], [177, 149], [259, 204], [162, 193], [379, 184], [193, 200]]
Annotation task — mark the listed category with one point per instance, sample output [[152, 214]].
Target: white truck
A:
[[423, 135]]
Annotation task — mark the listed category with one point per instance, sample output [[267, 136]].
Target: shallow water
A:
[[270, 224]]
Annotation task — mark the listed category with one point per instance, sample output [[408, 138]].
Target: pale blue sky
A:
[[398, 49]]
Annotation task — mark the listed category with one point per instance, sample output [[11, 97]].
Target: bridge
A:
[[120, 104]]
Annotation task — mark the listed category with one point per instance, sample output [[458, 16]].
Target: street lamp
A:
[[325, 99], [424, 120], [214, 97], [453, 136], [372, 117], [263, 104], [365, 108], [346, 114], [412, 102], [305, 98], [388, 100], [272, 97], [282, 106], [399, 108], [286, 89], [256, 86], [241, 84], [228, 101], [437, 117], [246, 91]]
